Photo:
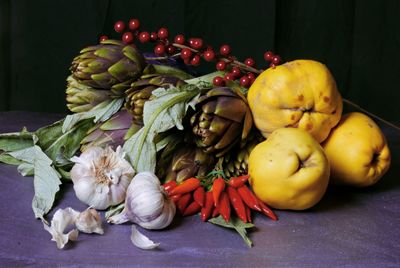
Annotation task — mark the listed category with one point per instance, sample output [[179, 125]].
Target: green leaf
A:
[[101, 112], [26, 169], [8, 159], [46, 180], [160, 114], [48, 135], [64, 146], [207, 79], [15, 141], [237, 224]]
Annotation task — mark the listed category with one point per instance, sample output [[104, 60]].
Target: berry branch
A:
[[192, 51]]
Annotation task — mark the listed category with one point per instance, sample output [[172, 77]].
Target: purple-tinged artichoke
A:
[[222, 119]]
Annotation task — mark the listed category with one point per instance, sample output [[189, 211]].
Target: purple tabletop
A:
[[349, 227]]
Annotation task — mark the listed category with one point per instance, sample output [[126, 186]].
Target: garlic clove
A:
[[89, 221], [142, 241], [61, 220]]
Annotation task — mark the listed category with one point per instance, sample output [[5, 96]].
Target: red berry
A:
[[144, 37], [179, 39], [225, 50], [276, 59], [159, 49], [134, 24], [236, 71], [229, 76], [218, 81], [249, 62], [272, 65], [153, 36], [127, 37], [195, 60], [251, 76], [244, 81], [209, 55], [171, 49], [103, 38], [119, 26], [186, 53], [187, 61], [162, 33], [196, 43], [221, 65], [268, 55]]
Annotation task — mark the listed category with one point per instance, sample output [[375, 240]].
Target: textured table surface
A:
[[348, 228]]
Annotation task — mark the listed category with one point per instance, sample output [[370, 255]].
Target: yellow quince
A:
[[300, 94]]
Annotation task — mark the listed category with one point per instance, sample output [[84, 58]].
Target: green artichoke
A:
[[235, 163], [222, 119], [113, 132], [111, 65], [187, 161], [140, 91], [82, 98]]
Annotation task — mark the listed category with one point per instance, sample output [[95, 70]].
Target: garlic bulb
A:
[[101, 176], [146, 203]]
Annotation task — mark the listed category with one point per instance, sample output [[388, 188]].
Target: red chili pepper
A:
[[199, 196], [248, 213], [215, 212], [168, 186], [184, 202], [237, 203], [224, 207], [249, 198], [187, 186], [217, 188], [267, 211], [237, 182], [192, 209], [175, 197], [208, 206]]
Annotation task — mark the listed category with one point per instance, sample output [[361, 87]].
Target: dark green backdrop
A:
[[358, 40]]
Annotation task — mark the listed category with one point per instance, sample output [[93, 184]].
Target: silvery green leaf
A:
[[26, 169], [205, 79], [237, 224], [15, 141], [64, 146], [114, 210], [101, 112], [46, 180], [160, 114]]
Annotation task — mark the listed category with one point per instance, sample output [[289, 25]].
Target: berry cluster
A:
[[193, 50]]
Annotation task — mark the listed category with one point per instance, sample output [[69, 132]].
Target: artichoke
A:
[[222, 119], [82, 98], [140, 91], [187, 161], [111, 65], [112, 132], [235, 163]]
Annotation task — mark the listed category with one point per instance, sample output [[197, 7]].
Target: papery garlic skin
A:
[[101, 176], [89, 221], [146, 203]]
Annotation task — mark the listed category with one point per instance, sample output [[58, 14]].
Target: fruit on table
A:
[[300, 93], [357, 151], [289, 170]]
